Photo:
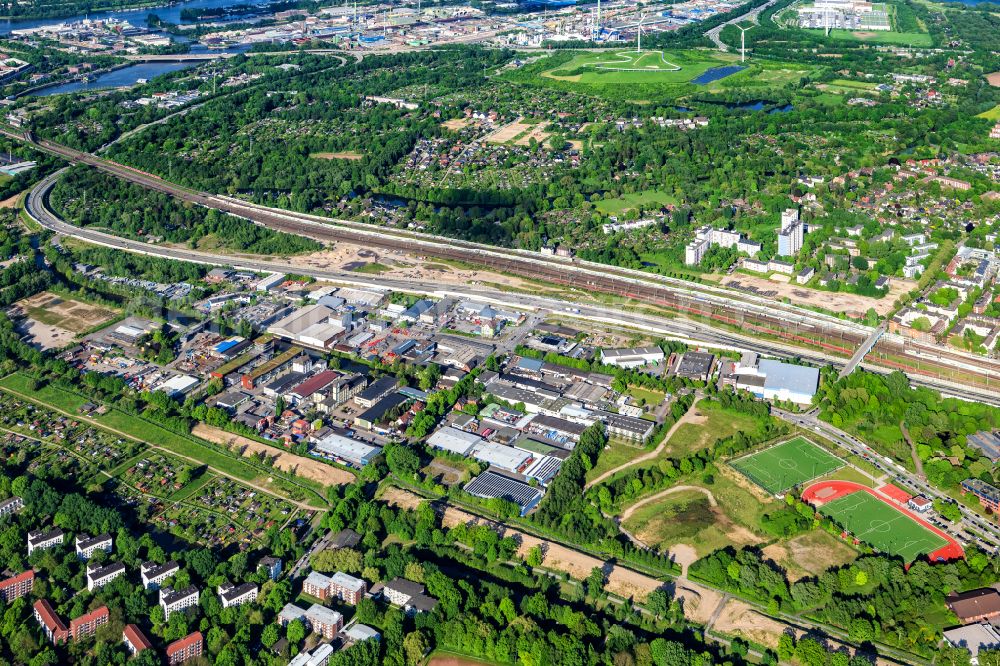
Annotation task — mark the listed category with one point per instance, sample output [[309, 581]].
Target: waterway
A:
[[137, 17], [126, 76]]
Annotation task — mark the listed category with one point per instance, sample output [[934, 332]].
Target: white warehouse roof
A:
[[454, 440]]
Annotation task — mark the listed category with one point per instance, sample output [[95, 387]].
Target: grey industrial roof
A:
[[794, 378], [490, 484]]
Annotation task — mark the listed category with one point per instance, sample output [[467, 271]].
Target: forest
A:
[[878, 408], [90, 198]]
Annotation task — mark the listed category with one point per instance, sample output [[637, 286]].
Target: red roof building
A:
[[87, 624], [186, 648], [52, 626], [17, 586], [134, 640]]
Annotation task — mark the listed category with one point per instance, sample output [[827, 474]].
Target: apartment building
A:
[[135, 641], [88, 623], [236, 595], [186, 648], [52, 626], [154, 574], [40, 540], [99, 576], [324, 621], [17, 586], [177, 600], [86, 545]]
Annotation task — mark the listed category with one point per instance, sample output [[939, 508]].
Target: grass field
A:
[[788, 464], [631, 67], [709, 424], [687, 517], [882, 526], [617, 453], [646, 199], [881, 37], [992, 114]]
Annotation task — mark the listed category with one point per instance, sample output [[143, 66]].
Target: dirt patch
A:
[[779, 278], [537, 133], [455, 124], [837, 302], [509, 132], [576, 145], [740, 619], [304, 466], [11, 202], [45, 336], [993, 79], [685, 556], [405, 266], [66, 313], [621, 581], [809, 554], [343, 155]]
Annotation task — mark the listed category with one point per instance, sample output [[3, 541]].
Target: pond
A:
[[716, 73]]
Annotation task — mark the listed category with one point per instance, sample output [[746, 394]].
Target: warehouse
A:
[[784, 381], [499, 455], [345, 450], [492, 485], [454, 440], [632, 358]]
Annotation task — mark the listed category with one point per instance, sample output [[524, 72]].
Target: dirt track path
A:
[[918, 464], [646, 456], [627, 513]]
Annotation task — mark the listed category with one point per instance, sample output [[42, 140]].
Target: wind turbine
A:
[[743, 41], [638, 42]]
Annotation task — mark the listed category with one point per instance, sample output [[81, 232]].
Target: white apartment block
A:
[[235, 595], [154, 574], [42, 540], [86, 545], [98, 576], [791, 233], [177, 600], [706, 237]]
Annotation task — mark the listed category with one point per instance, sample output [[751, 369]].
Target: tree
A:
[[270, 635], [338, 559], [534, 557], [415, 646], [295, 632]]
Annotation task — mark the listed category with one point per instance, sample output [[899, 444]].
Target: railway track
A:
[[745, 312]]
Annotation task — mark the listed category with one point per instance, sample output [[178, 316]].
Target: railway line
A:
[[793, 325]]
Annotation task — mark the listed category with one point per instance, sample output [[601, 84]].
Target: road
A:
[[751, 15], [755, 316], [973, 527], [692, 332]]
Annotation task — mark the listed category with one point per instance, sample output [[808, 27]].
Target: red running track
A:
[[836, 489]]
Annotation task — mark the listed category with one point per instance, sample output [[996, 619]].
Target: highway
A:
[[583, 275], [973, 527], [751, 15]]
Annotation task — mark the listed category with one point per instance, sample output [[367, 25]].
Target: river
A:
[[136, 17]]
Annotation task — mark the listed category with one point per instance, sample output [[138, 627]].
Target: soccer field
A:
[[787, 464], [882, 526]]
